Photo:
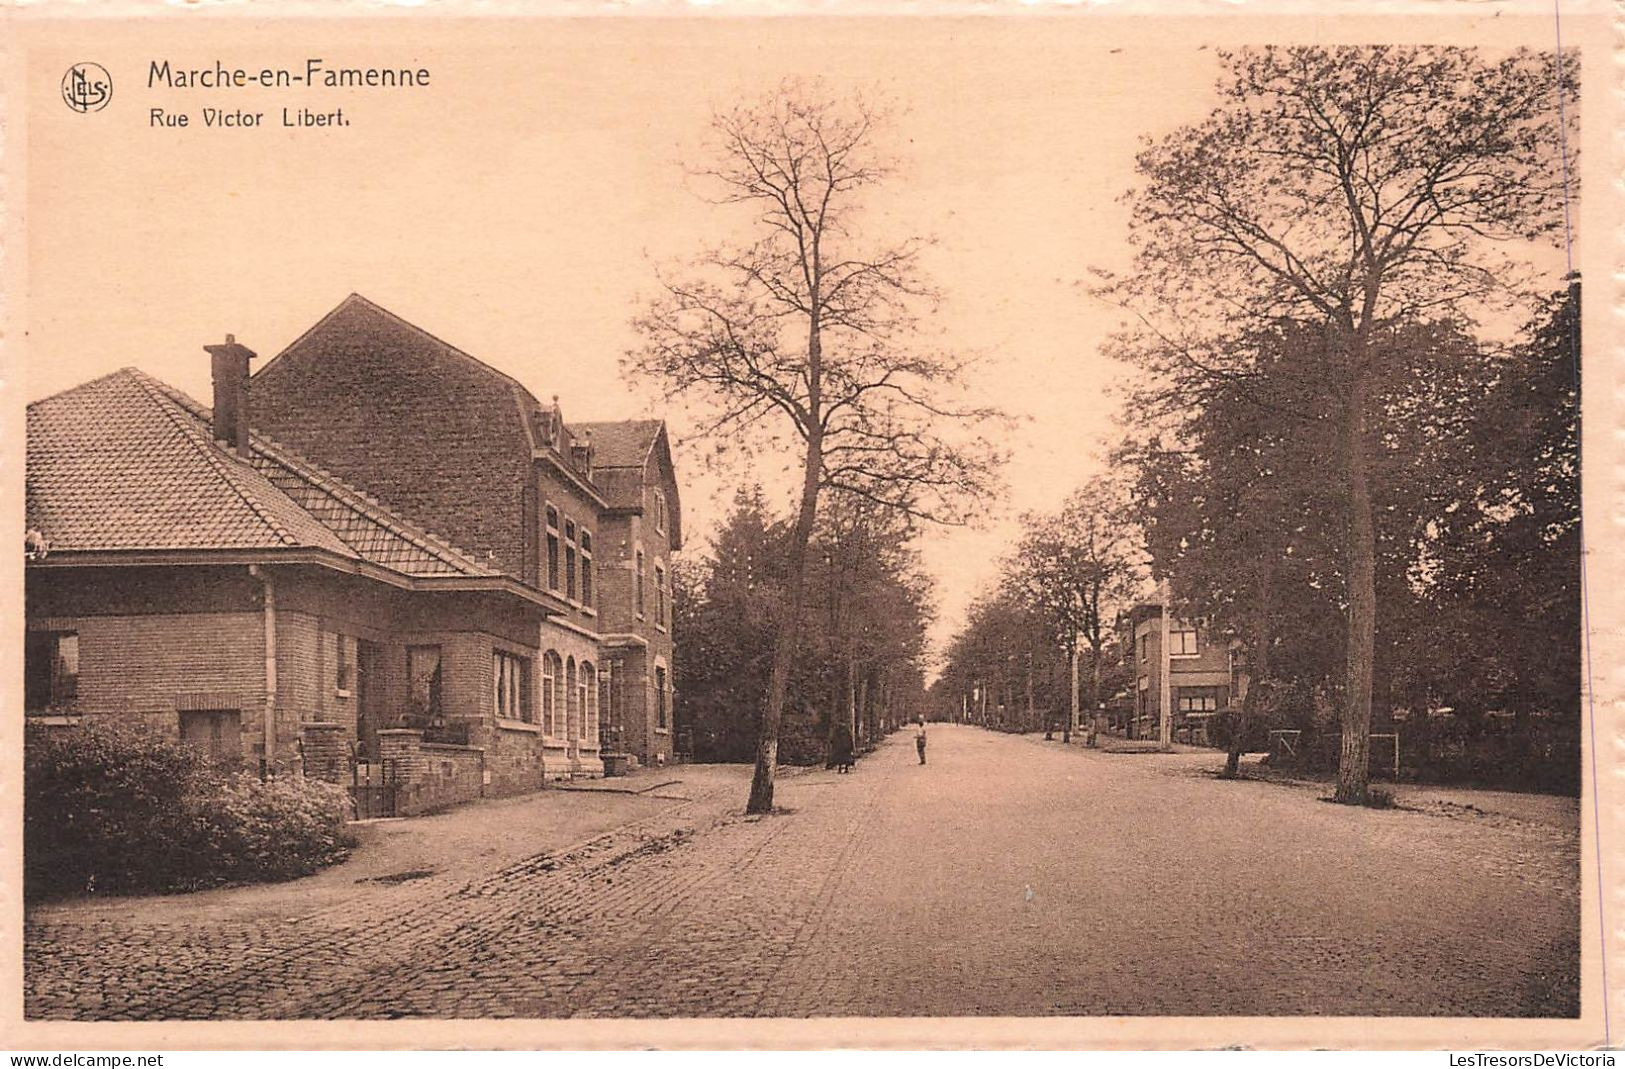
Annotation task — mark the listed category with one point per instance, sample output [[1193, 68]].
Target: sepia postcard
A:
[[811, 526]]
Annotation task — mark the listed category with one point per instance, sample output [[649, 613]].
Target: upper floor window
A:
[[50, 669], [1145, 647], [586, 567], [637, 583], [552, 548], [1182, 642], [570, 559], [511, 686], [660, 511], [660, 596]]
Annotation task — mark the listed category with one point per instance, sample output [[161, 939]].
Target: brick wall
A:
[[427, 430], [514, 759], [143, 667], [325, 751]]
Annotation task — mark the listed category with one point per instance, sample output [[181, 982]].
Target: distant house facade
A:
[[638, 534], [1184, 673], [374, 540]]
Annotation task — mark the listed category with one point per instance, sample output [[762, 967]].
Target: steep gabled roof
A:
[[129, 463], [621, 452], [623, 444]]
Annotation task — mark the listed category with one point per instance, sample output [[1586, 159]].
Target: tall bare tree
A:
[[805, 336], [1355, 188]]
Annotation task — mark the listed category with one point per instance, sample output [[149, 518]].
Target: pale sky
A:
[[519, 205]]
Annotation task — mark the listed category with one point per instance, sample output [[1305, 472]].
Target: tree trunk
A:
[[1094, 692], [1354, 758], [1257, 670], [1071, 691], [788, 634]]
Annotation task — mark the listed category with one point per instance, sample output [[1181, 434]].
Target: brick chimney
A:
[[230, 370]]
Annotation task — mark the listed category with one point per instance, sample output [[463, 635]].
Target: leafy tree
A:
[[863, 641], [803, 336], [1076, 568], [1003, 670], [1351, 189]]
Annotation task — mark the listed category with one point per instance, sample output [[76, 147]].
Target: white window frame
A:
[[572, 561], [552, 547], [662, 675], [588, 584], [550, 692], [510, 694], [587, 682]]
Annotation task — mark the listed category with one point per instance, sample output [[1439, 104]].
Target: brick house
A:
[[217, 586], [404, 541], [1183, 673], [637, 535]]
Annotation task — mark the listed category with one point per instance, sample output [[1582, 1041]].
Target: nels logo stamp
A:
[[87, 87]]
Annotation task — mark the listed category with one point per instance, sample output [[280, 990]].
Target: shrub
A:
[[111, 808], [104, 806]]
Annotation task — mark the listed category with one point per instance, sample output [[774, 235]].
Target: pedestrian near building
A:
[[919, 736]]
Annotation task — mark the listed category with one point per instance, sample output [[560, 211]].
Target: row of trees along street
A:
[[1329, 456], [806, 338], [1327, 447], [859, 668]]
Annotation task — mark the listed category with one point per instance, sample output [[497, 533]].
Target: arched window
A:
[[551, 671], [660, 512], [589, 704], [572, 710]]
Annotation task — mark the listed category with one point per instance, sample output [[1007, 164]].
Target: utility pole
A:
[[1073, 693], [1165, 681]]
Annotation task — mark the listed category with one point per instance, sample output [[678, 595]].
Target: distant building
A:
[[1183, 674]]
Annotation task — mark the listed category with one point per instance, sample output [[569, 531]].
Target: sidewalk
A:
[[462, 843]]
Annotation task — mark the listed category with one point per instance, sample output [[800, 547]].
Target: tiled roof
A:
[[624, 444], [126, 462]]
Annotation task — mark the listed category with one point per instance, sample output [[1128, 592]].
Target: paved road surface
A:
[[1009, 876]]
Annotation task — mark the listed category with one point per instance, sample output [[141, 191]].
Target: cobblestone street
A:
[[1009, 876]]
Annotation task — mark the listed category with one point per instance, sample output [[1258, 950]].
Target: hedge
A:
[[110, 808]]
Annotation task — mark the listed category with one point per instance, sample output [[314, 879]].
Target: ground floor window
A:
[[511, 686], [552, 676], [216, 733], [661, 715], [50, 669], [344, 664], [425, 679], [1198, 699], [589, 704]]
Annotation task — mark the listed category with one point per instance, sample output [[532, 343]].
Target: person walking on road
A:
[[919, 736]]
